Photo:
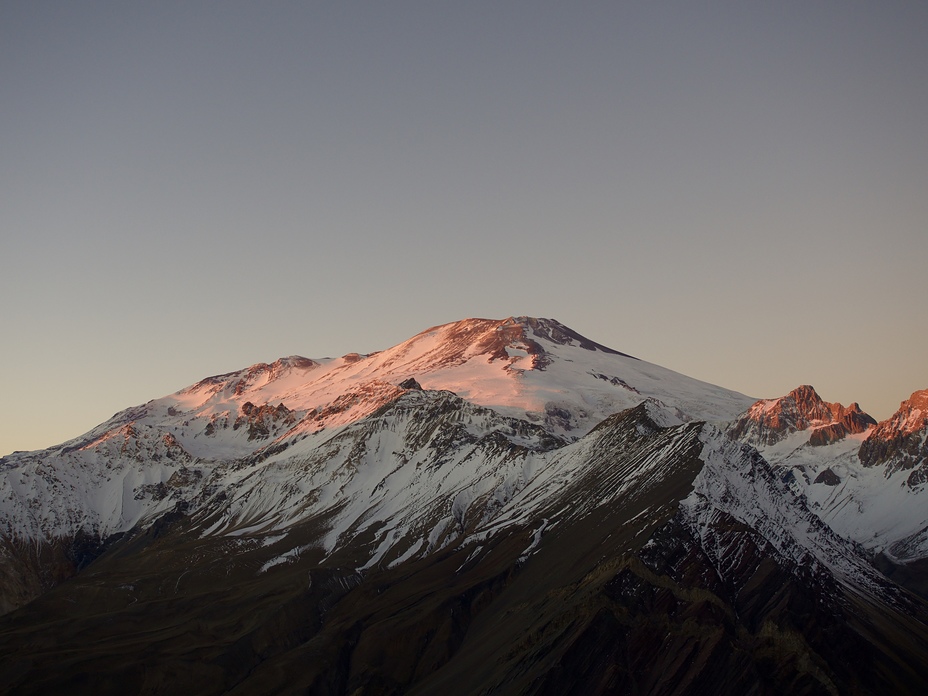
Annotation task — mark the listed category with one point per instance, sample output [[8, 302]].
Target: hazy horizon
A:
[[736, 192]]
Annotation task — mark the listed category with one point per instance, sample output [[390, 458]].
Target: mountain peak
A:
[[910, 417], [917, 402], [805, 393], [446, 489], [903, 438], [530, 368], [769, 421], [526, 343], [556, 332]]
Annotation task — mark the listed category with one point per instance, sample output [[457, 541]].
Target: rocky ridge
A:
[[901, 440], [868, 486], [769, 421]]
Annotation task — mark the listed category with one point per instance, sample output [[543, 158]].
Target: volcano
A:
[[492, 506]]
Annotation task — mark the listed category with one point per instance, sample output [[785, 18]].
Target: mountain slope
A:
[[869, 486], [594, 554], [131, 468], [530, 511], [769, 421]]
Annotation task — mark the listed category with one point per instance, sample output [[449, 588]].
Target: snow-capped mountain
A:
[[866, 480], [900, 441], [135, 465], [515, 500], [534, 369], [769, 421]]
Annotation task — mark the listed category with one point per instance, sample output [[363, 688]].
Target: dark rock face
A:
[[771, 420], [410, 383], [261, 421], [673, 625], [827, 434], [856, 420], [902, 440], [828, 477]]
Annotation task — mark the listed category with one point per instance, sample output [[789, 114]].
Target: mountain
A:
[[552, 385], [865, 479], [771, 420], [489, 507], [900, 441]]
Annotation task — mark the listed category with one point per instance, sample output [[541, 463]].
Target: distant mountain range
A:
[[491, 507]]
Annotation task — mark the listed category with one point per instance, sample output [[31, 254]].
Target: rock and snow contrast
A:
[[769, 421], [864, 479], [533, 511]]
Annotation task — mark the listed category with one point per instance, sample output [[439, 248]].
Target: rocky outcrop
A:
[[901, 441], [828, 477], [410, 383], [769, 421], [261, 421]]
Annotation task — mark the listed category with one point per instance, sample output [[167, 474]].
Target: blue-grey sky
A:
[[734, 190]]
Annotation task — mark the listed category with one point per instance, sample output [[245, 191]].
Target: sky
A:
[[734, 190]]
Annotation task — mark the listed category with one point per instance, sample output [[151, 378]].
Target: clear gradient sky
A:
[[735, 190]]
